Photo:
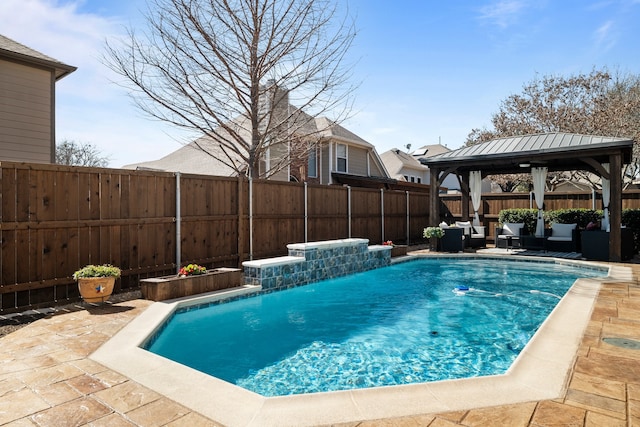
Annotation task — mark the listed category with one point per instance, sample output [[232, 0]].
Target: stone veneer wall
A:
[[311, 262]]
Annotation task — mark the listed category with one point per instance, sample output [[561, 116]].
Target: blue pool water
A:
[[407, 323]]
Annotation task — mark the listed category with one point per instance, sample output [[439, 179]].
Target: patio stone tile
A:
[[87, 344], [20, 404], [127, 396], [110, 378], [593, 402], [193, 419], [633, 391], [111, 420], [603, 313], [609, 367], [599, 386], [10, 385], [86, 384], [89, 366], [50, 375], [507, 415], [605, 350], [555, 414], [634, 409], [595, 419], [442, 422], [74, 413], [157, 413], [626, 312], [22, 422], [623, 330], [456, 416], [58, 393], [594, 328]]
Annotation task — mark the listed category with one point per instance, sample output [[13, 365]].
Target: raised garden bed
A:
[[170, 287]]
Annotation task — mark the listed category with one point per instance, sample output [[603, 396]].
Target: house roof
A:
[[195, 157], [334, 131], [556, 150], [396, 160], [429, 150], [12, 49]]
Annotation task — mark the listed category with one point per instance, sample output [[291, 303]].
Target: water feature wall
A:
[[311, 262]]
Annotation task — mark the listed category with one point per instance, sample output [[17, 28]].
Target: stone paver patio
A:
[[47, 379]]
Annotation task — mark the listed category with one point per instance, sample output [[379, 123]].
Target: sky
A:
[[427, 72]]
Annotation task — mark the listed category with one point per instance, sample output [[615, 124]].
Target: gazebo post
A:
[[464, 189], [434, 196], [615, 203]]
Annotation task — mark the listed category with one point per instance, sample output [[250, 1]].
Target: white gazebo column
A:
[[606, 193], [475, 184], [539, 181]]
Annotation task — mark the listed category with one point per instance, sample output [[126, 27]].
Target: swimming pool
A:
[[401, 324]]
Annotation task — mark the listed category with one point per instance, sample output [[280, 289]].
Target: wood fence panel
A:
[[327, 216], [395, 216], [366, 211], [418, 215]]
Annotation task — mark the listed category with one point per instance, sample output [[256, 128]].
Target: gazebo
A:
[[536, 154]]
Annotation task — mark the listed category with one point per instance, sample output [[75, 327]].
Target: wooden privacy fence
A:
[[55, 219]]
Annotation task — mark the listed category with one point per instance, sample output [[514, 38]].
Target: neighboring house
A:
[[335, 153], [407, 166], [27, 102]]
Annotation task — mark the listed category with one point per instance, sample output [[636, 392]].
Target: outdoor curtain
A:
[[539, 180], [475, 184], [606, 191]]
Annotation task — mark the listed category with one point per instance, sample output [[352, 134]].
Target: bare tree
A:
[[598, 103], [233, 69], [79, 154]]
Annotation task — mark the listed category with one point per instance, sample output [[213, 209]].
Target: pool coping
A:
[[539, 373]]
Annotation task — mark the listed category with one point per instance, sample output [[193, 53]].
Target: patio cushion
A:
[[512, 228], [466, 225], [478, 232], [559, 239], [562, 230]]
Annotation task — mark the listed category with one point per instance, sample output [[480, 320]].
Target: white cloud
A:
[[605, 36], [503, 13]]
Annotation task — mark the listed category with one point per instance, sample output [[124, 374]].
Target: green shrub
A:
[[526, 216], [631, 219], [582, 217], [91, 270]]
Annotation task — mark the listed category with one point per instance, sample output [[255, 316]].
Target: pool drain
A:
[[623, 342]]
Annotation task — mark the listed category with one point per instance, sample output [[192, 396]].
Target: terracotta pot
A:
[[96, 289]]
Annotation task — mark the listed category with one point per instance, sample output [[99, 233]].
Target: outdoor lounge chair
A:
[[453, 240], [508, 236], [474, 234], [563, 238]]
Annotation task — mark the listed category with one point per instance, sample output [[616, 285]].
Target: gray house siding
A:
[[26, 113]]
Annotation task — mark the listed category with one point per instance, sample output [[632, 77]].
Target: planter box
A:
[[398, 250], [170, 287]]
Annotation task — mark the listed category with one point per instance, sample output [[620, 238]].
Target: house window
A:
[[312, 167], [419, 180], [341, 158], [413, 179], [406, 178]]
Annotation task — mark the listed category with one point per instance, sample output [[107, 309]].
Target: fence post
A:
[[408, 219], [306, 213], [178, 225], [382, 210], [349, 207], [250, 218]]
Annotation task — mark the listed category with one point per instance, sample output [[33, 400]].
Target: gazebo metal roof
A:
[[555, 150]]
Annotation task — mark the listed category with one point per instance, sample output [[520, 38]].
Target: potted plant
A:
[[433, 234], [95, 282]]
